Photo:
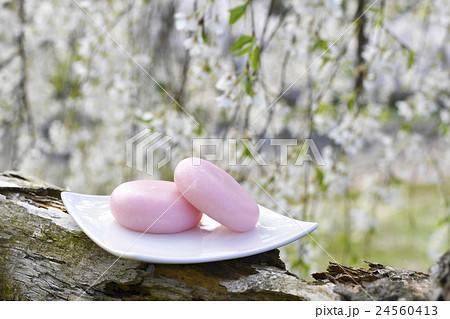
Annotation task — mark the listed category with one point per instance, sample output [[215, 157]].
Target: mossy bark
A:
[[44, 255]]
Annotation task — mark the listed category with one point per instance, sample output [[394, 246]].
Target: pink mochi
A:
[[216, 193], [153, 206]]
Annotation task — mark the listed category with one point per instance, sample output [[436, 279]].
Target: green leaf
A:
[[323, 107], [206, 68], [411, 57], [321, 179], [199, 130], [246, 50], [320, 175], [380, 20], [350, 101], [204, 35], [443, 128], [140, 119], [406, 127], [246, 152], [75, 86], [320, 44], [254, 58], [325, 59], [243, 40], [237, 12], [248, 86]]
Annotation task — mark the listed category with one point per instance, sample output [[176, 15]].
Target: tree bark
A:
[[46, 256]]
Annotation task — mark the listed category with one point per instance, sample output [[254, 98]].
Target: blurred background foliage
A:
[[366, 80]]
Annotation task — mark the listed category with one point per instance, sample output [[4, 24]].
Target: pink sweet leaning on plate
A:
[[216, 193]]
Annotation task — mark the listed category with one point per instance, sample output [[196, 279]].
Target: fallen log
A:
[[46, 256]]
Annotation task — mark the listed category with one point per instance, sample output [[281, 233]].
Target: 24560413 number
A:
[[407, 310]]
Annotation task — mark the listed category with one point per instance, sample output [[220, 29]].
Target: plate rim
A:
[[184, 260]]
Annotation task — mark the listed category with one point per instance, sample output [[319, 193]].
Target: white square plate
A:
[[207, 242]]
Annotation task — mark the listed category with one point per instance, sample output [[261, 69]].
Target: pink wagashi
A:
[[153, 206], [216, 193]]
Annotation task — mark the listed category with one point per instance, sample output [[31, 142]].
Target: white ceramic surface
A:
[[207, 242]]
